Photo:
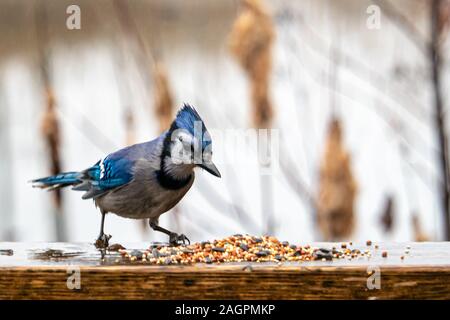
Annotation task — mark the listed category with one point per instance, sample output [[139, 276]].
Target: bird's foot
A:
[[103, 241], [177, 239]]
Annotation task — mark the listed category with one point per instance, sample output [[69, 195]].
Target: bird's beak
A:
[[211, 168]]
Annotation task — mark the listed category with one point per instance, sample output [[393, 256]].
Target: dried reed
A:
[[130, 130], [419, 235], [251, 42], [443, 19], [387, 216], [50, 126], [337, 191], [163, 97], [51, 132]]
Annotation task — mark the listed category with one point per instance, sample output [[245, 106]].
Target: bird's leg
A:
[[174, 238], [102, 241]]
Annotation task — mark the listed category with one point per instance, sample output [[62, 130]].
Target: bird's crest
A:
[[186, 119]]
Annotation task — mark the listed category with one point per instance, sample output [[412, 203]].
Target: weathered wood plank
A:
[[424, 273]]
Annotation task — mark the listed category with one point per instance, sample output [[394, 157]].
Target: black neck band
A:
[[165, 179], [168, 182]]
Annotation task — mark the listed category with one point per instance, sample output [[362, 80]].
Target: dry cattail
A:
[[251, 41], [50, 127], [419, 235], [163, 97], [387, 217], [129, 127], [337, 188], [51, 133], [444, 19]]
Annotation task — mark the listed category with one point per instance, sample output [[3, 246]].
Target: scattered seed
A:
[[243, 246], [205, 243], [257, 240], [137, 254], [155, 253], [263, 253], [368, 243], [384, 254], [238, 248], [321, 255], [297, 253], [116, 247]]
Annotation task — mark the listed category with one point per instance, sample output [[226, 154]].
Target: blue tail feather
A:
[[58, 181]]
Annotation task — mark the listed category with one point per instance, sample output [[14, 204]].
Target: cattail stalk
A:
[[419, 234], [388, 216], [130, 127], [163, 97], [51, 132], [337, 189], [440, 120], [50, 126], [251, 41]]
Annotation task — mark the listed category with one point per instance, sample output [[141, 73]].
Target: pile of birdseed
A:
[[238, 248]]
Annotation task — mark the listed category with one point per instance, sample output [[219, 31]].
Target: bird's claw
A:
[[103, 241], [177, 239]]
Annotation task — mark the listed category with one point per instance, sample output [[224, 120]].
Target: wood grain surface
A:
[[30, 272]]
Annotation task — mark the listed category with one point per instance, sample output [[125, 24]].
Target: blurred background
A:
[[354, 90]]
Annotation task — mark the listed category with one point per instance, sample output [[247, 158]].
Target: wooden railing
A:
[[77, 271]]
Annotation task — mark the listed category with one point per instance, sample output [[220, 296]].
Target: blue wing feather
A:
[[112, 172], [108, 174]]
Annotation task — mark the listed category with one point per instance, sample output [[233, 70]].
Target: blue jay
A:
[[147, 179]]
